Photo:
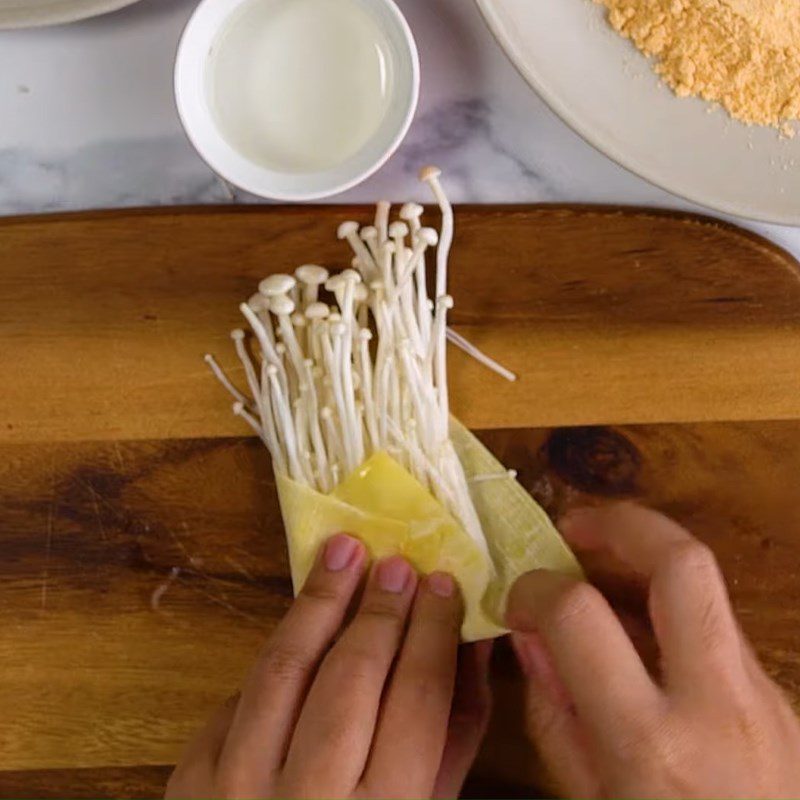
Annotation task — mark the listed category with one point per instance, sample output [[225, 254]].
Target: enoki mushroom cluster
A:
[[347, 379], [354, 363]]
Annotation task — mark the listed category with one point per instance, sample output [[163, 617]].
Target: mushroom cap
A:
[[298, 320], [397, 230], [335, 282], [276, 285], [365, 334], [429, 236], [237, 334], [334, 317], [361, 293], [429, 173], [350, 276], [369, 232], [281, 305], [311, 274], [258, 302], [347, 228], [445, 301], [317, 311], [411, 211], [338, 329]]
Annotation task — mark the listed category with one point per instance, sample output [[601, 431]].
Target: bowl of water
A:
[[296, 99]]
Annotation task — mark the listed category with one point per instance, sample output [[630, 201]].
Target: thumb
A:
[[552, 723]]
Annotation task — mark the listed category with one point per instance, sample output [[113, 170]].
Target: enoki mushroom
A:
[[353, 363]]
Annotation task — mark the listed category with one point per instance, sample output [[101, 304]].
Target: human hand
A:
[[712, 724], [380, 711]]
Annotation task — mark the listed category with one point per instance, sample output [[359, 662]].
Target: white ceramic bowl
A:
[[192, 97]]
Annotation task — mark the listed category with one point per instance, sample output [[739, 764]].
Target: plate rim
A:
[[78, 10], [606, 147]]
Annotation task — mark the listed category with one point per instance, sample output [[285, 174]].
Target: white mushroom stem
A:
[[351, 278], [237, 335], [334, 442], [438, 339], [509, 474], [268, 422], [220, 375], [283, 308], [266, 341], [302, 433], [349, 230], [398, 231], [471, 350], [240, 411], [335, 285], [369, 235], [262, 401], [332, 348], [283, 413], [365, 367], [431, 176], [315, 314], [260, 306], [382, 210], [362, 306], [411, 213]]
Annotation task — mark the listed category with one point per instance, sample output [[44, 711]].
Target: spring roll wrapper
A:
[[391, 512]]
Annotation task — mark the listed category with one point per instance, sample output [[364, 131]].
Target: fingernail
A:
[[394, 574], [341, 552], [441, 584]]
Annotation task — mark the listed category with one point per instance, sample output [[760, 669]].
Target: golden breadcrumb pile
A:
[[742, 54]]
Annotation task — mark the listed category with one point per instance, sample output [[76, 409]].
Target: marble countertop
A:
[[88, 121]]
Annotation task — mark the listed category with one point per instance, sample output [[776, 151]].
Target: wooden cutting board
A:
[[142, 551]]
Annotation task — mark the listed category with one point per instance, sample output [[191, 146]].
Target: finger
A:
[[274, 690], [336, 727], [599, 666], [195, 773], [696, 630], [552, 723], [411, 734], [469, 718]]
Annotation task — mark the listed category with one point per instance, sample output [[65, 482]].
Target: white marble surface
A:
[[87, 121]]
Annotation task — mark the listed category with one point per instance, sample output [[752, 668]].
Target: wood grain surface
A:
[[607, 316], [143, 556]]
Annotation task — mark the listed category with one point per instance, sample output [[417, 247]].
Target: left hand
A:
[[381, 711]]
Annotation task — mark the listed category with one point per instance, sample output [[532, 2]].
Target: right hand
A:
[[714, 724]]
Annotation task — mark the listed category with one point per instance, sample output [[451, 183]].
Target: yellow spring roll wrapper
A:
[[391, 512]]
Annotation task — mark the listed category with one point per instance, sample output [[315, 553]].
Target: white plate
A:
[[602, 87], [29, 13]]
